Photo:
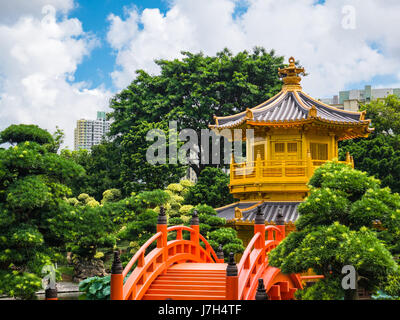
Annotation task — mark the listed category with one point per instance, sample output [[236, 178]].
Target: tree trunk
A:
[[351, 294], [87, 267]]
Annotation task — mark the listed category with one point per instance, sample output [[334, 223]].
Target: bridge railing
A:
[[242, 280], [139, 256], [195, 235], [149, 266]]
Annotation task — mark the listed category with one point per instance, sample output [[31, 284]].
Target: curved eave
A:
[[307, 110], [250, 223], [362, 123], [230, 126]]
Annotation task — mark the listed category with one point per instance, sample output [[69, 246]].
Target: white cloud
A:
[[39, 56], [332, 55], [12, 10], [122, 32], [189, 25]]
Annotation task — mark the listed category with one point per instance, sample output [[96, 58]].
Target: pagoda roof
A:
[[291, 105], [269, 209]]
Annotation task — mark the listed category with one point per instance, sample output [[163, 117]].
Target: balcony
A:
[[274, 175]]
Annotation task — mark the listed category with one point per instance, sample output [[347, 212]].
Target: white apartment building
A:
[[91, 132]]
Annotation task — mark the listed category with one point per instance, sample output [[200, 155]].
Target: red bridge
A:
[[181, 269]]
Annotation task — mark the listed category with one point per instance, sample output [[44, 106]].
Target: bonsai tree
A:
[[211, 189], [346, 220], [16, 134], [33, 184], [143, 225]]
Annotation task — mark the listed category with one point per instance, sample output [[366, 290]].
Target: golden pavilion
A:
[[292, 135]]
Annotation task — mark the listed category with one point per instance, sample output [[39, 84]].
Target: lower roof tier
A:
[[292, 107], [246, 211]]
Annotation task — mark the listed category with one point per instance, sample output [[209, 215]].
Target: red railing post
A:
[[163, 240], [117, 279], [194, 236], [162, 227], [232, 279], [51, 294], [280, 223]]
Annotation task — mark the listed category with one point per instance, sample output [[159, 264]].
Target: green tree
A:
[[379, 154], [175, 206], [384, 114], [103, 169], [137, 173], [227, 238], [18, 133], [192, 90], [143, 225], [33, 185], [211, 188], [111, 195], [392, 287], [337, 227], [58, 140]]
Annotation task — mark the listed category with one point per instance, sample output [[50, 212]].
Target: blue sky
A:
[[62, 60], [97, 68]]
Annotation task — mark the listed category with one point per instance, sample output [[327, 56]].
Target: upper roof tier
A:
[[292, 105]]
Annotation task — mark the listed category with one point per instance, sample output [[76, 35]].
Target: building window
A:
[[292, 147], [319, 151], [279, 147]]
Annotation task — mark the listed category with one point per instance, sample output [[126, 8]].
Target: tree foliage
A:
[[136, 172], [338, 226], [384, 114], [197, 87], [103, 169], [32, 189], [16, 134], [211, 188], [189, 91], [379, 154]]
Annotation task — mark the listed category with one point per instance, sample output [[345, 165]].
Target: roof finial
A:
[[280, 219], [290, 76]]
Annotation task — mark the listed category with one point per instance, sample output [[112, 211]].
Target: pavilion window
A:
[[279, 147], [319, 151], [292, 147]]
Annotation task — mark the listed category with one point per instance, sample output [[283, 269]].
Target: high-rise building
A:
[[90, 132], [350, 100]]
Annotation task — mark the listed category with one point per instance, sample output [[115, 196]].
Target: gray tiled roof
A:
[[286, 109], [228, 212], [290, 106], [329, 113], [239, 117], [269, 209]]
